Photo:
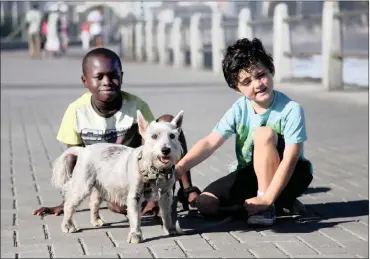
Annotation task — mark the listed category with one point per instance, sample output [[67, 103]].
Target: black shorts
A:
[[236, 187]]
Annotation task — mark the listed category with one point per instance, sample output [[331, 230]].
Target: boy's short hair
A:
[[244, 54], [97, 52]]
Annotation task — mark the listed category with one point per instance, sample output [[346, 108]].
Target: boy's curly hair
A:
[[244, 54]]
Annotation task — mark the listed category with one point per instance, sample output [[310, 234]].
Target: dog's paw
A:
[[170, 231], [69, 228], [134, 238], [98, 223]]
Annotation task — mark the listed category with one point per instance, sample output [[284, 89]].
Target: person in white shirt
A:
[[33, 20], [64, 23], [52, 45], [95, 20], [85, 36]]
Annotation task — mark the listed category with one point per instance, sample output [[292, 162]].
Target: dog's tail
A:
[[62, 172]]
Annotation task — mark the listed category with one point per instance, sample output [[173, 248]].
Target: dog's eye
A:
[[172, 136], [154, 136]]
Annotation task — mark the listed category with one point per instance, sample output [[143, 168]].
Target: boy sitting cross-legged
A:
[[270, 131]]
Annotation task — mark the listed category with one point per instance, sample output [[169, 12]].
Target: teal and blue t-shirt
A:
[[284, 116]]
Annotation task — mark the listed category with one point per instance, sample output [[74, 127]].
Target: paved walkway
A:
[[35, 95]]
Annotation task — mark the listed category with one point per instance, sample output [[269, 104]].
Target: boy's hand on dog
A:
[[48, 210], [255, 205]]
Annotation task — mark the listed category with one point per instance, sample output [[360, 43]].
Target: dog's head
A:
[[162, 145]]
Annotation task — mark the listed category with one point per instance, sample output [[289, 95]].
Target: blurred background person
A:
[[64, 23], [95, 19], [52, 45], [85, 35], [33, 20], [43, 31]]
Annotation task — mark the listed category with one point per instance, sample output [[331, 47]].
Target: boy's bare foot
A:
[[49, 210], [151, 208], [116, 208]]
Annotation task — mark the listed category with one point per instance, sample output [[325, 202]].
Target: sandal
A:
[[183, 197]]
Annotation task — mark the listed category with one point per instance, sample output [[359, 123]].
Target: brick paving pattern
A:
[[34, 97]]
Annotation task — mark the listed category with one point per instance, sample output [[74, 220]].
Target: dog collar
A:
[[154, 173]]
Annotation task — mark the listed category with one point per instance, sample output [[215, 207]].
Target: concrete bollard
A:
[[130, 40], [196, 43], [176, 43], [282, 43], [122, 49], [265, 6], [2, 14], [161, 43], [15, 14], [244, 29], [149, 38], [139, 40], [218, 41], [332, 78], [126, 31]]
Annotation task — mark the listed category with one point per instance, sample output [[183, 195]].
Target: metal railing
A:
[[191, 40]]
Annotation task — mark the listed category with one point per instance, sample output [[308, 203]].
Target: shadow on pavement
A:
[[318, 216], [311, 190], [341, 209], [145, 221]]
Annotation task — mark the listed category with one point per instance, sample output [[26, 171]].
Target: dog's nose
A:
[[165, 150]]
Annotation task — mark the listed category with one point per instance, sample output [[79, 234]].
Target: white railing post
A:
[[281, 43], [196, 42], [122, 42], [176, 43], [139, 40], [130, 39], [265, 6], [15, 14], [332, 78], [161, 42], [244, 29], [2, 14], [218, 41], [149, 37], [127, 43]]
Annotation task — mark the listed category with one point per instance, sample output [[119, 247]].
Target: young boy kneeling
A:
[[106, 114]]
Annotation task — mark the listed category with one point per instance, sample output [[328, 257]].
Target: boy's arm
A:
[[200, 152], [208, 145]]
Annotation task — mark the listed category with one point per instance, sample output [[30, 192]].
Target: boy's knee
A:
[[264, 136], [207, 204], [166, 118]]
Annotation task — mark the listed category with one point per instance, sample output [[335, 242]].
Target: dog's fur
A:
[[111, 172]]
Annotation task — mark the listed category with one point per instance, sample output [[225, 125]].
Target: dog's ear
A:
[[142, 123], [177, 121]]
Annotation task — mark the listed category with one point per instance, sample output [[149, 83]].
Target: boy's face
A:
[[103, 77], [256, 84]]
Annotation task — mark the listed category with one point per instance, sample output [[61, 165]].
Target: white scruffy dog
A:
[[124, 175]]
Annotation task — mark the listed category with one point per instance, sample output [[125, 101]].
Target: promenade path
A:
[[34, 96]]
